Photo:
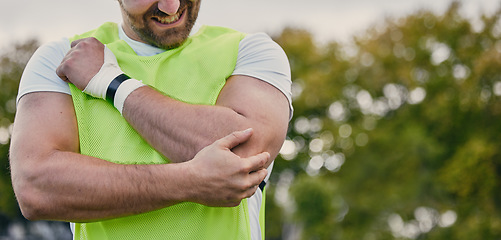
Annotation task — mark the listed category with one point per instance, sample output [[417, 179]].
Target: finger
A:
[[74, 43], [257, 177], [257, 162], [234, 139], [232, 203], [61, 73], [251, 191]]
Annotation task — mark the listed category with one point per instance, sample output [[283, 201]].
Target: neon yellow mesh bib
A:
[[193, 73]]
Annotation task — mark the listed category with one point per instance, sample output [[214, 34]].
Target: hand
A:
[[223, 179], [82, 62]]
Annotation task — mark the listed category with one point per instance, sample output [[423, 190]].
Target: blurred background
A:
[[397, 122]]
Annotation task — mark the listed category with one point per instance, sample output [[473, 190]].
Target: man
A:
[[184, 144]]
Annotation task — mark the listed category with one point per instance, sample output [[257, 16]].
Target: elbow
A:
[[29, 204], [234, 121], [265, 139], [30, 213], [29, 197]]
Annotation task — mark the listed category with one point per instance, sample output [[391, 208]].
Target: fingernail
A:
[[248, 130]]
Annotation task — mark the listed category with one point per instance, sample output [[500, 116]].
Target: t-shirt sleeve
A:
[[40, 72], [262, 58]]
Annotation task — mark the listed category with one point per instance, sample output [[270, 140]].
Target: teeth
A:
[[169, 19]]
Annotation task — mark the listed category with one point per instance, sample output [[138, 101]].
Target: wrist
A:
[[179, 176], [109, 71], [111, 83], [120, 90], [113, 87], [187, 182]]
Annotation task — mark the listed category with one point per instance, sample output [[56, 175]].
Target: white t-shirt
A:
[[258, 56]]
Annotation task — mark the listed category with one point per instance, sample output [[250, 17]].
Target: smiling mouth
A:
[[169, 19]]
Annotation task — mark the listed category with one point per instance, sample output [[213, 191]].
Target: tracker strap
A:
[[112, 88]]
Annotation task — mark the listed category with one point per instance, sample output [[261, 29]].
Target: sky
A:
[[327, 20]]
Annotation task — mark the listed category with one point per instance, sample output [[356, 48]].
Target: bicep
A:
[[45, 122], [265, 109]]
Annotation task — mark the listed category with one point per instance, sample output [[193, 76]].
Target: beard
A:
[[167, 38]]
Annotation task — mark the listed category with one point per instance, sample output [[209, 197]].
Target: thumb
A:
[[234, 139]]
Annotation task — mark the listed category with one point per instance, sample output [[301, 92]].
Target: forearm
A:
[[179, 130], [71, 187]]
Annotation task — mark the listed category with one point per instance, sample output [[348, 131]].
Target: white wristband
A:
[[123, 91], [98, 85]]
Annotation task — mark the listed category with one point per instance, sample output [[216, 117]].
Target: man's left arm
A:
[[179, 130]]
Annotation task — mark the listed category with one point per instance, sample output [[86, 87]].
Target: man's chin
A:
[[170, 46], [171, 43], [166, 39]]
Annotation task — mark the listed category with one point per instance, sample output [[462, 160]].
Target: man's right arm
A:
[[53, 181]]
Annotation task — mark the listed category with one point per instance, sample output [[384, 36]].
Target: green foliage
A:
[[12, 63], [400, 127]]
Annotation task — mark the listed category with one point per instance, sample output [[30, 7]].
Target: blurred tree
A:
[[12, 63], [395, 135]]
